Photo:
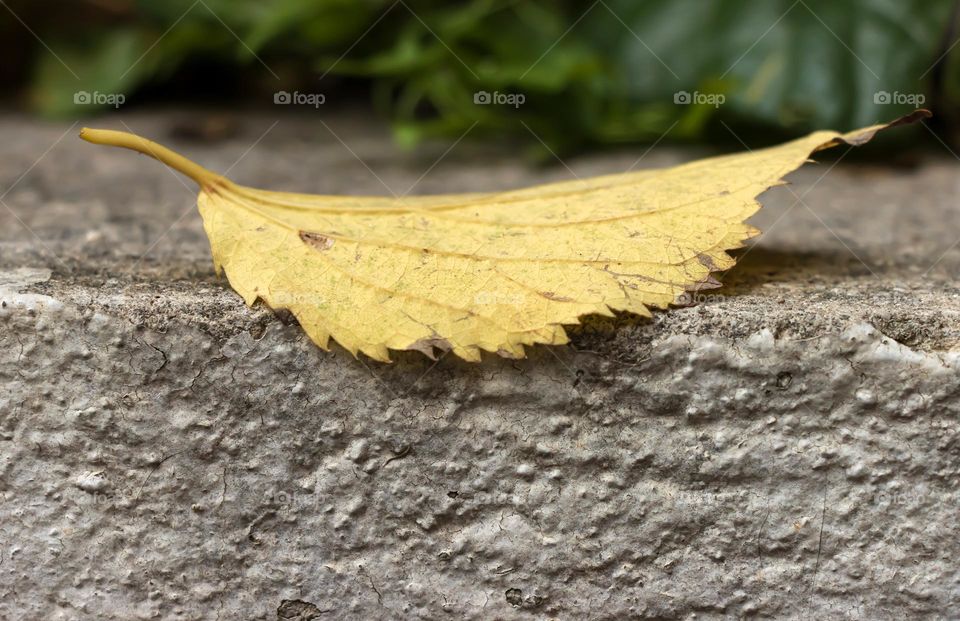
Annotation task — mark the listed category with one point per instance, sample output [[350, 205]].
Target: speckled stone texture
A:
[[785, 446]]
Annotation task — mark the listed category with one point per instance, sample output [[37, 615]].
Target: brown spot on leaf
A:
[[316, 240], [707, 283], [707, 261], [550, 295], [427, 346]]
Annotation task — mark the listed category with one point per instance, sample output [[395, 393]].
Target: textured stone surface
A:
[[784, 446]]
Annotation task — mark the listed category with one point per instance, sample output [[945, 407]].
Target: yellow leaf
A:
[[491, 272]]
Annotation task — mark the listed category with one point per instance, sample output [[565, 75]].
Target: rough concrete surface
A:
[[786, 446]]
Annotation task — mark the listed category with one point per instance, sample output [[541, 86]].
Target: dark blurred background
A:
[[568, 75]]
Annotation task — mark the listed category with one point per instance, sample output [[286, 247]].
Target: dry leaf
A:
[[491, 272]]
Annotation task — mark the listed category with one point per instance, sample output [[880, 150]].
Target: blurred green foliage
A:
[[590, 73]]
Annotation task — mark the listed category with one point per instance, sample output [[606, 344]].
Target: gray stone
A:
[[784, 446]]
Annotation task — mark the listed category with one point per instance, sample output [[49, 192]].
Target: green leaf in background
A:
[[96, 71], [617, 73], [561, 75], [789, 63], [304, 22]]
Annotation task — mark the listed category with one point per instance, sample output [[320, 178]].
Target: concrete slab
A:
[[785, 446]]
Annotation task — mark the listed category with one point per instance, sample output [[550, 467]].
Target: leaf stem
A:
[[204, 177]]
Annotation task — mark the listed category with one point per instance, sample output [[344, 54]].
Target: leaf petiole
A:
[[205, 178]]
